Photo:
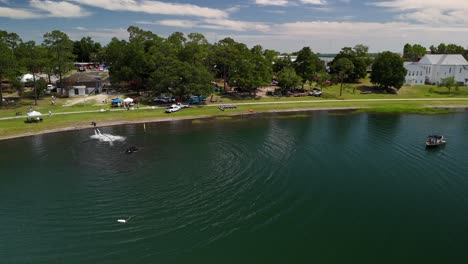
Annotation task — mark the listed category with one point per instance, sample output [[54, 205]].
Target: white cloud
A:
[[448, 12], [314, 2], [321, 36], [155, 7], [323, 9], [233, 9], [15, 13], [44, 9], [59, 9], [276, 11], [80, 28], [219, 24], [235, 25], [102, 35], [426, 4], [171, 23], [272, 2]]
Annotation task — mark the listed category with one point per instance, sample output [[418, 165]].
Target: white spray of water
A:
[[106, 137], [123, 221]]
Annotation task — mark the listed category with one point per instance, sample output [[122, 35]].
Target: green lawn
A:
[[17, 126], [330, 98]]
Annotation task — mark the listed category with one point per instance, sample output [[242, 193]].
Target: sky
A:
[[283, 25]]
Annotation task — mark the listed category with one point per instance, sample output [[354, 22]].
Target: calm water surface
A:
[[316, 188]]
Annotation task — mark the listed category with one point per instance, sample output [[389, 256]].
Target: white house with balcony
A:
[[435, 67]]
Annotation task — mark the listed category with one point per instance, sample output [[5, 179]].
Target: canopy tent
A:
[[27, 77], [34, 113], [128, 100]]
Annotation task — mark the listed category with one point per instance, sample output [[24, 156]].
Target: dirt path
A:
[[98, 98]]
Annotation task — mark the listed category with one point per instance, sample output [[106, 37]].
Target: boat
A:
[[435, 141]]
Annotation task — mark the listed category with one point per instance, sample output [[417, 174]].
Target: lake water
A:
[[321, 187]]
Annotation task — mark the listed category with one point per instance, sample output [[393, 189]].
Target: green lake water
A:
[[321, 187]]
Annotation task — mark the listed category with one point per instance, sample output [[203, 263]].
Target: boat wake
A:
[[106, 137]]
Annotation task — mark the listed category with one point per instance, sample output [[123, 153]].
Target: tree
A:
[[306, 65], [322, 79], [343, 68], [196, 50], [359, 63], [60, 49], [388, 70], [227, 58], [361, 50], [252, 69], [449, 83], [280, 63], [7, 65], [181, 79], [85, 50], [288, 79], [34, 59], [413, 52]]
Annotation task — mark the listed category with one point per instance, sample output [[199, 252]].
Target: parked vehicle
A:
[[315, 92], [163, 99], [196, 99], [181, 105], [173, 108], [33, 120]]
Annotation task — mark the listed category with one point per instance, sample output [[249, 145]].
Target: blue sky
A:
[[284, 25]]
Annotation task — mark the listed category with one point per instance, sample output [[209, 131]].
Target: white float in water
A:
[[106, 137], [123, 221]]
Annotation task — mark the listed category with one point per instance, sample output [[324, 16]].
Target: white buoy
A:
[[123, 221]]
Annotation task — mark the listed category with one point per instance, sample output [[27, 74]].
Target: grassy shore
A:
[[59, 122], [423, 99]]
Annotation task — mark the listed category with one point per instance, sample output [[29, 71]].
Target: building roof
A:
[[412, 66], [443, 59], [82, 77]]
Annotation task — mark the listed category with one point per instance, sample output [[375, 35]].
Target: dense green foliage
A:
[[86, 50], [358, 57], [186, 65], [307, 65], [343, 68], [413, 52], [288, 79], [61, 56], [388, 70]]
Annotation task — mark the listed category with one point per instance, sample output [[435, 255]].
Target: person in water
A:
[[131, 149]]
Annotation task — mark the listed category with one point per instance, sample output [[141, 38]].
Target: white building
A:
[[415, 75], [435, 67]]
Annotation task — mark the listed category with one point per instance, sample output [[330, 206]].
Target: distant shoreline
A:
[[165, 119]]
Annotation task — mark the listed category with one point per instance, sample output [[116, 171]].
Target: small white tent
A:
[[34, 113], [128, 100], [27, 77]]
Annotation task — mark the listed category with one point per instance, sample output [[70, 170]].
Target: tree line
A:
[[185, 65], [416, 51]]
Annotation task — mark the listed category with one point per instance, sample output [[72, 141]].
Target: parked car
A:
[[181, 105], [162, 99], [196, 99], [315, 92], [172, 108]]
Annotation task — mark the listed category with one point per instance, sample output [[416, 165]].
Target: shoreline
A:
[[168, 119]]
